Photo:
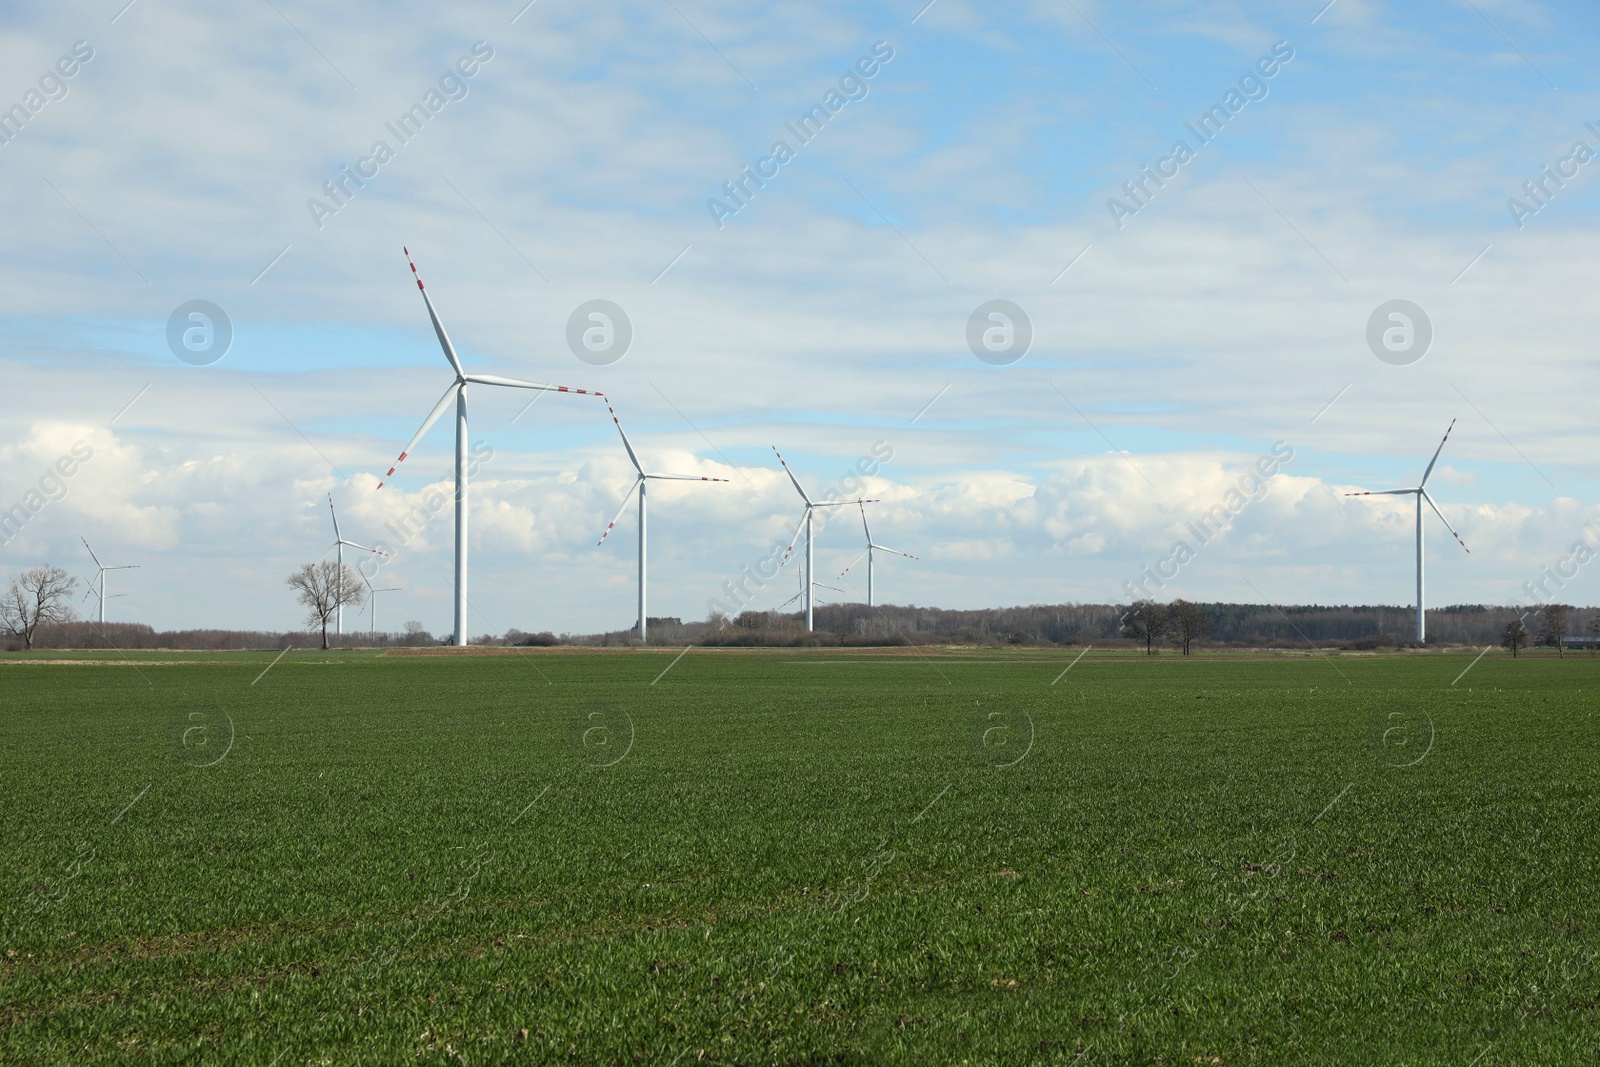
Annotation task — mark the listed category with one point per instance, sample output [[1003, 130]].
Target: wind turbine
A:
[[372, 601], [871, 548], [1422, 494], [639, 483], [802, 592], [339, 542], [100, 580], [806, 524], [458, 393]]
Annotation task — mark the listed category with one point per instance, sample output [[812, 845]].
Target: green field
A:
[[791, 858]]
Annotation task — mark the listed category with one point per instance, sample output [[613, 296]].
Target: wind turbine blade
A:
[[864, 525], [1435, 458], [625, 442], [790, 473], [92, 556], [1446, 522], [684, 478], [438, 327], [519, 383], [896, 551], [614, 519], [788, 551], [843, 503], [1384, 492], [856, 559], [791, 600], [427, 424], [352, 544], [337, 536]]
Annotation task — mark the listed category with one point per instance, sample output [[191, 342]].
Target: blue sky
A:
[[1224, 316]]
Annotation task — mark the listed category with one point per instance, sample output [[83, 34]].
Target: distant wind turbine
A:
[[871, 548], [372, 602], [1422, 494], [339, 542], [639, 483], [99, 584], [458, 393], [806, 525]]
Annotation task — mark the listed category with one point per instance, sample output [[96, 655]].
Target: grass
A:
[[820, 857]]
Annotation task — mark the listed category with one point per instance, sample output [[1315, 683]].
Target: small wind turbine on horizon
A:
[[372, 603], [806, 525], [871, 548], [639, 484], [802, 583], [99, 583], [339, 542], [458, 393], [1422, 494]]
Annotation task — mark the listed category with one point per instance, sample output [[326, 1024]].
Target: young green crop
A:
[[797, 858]]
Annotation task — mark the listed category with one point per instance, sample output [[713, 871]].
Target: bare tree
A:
[[1554, 627], [39, 596], [1188, 622], [1516, 638], [1145, 620], [322, 588], [1594, 632]]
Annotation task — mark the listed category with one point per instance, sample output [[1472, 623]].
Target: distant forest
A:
[[1237, 625]]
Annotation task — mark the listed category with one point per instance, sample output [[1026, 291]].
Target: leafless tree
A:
[[1145, 620], [1516, 638], [39, 596], [1188, 623], [322, 588], [1554, 627]]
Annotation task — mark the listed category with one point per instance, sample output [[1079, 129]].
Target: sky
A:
[[1192, 317]]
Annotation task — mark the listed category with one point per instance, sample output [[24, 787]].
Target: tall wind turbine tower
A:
[[640, 483], [806, 524], [1421, 492], [872, 547], [457, 392]]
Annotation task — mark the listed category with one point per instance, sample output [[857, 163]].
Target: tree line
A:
[[37, 611]]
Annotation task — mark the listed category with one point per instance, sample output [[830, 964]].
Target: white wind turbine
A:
[[1422, 494], [372, 602], [802, 586], [639, 483], [871, 548], [806, 525], [458, 393], [99, 584], [338, 543]]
